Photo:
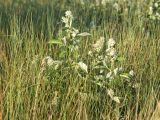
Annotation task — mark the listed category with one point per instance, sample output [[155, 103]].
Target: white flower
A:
[[66, 21], [116, 6], [49, 61], [99, 77], [111, 43], [156, 4], [90, 53], [101, 71], [74, 33], [116, 99], [131, 73], [75, 30], [110, 93], [68, 13], [136, 85], [83, 66], [99, 44], [111, 52]]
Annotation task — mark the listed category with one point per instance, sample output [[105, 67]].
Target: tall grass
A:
[[27, 93]]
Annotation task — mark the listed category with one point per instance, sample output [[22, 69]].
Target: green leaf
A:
[[59, 42], [125, 75]]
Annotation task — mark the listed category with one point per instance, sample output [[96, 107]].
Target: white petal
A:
[[116, 99], [49, 60], [111, 43], [99, 44], [131, 73], [110, 93], [68, 13]]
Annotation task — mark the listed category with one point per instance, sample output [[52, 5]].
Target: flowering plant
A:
[[104, 69], [154, 10]]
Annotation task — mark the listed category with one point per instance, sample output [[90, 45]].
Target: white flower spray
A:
[[154, 10], [103, 58], [106, 67]]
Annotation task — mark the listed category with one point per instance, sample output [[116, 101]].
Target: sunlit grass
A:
[[27, 92]]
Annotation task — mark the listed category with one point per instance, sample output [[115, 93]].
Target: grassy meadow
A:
[[50, 71]]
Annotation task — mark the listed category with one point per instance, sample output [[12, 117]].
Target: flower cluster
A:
[[68, 19], [68, 42], [154, 10], [71, 32], [70, 38], [111, 51], [48, 61], [105, 64], [98, 45], [103, 58]]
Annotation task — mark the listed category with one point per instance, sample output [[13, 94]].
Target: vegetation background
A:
[[26, 26]]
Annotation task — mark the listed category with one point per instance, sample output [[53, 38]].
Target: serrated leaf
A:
[[84, 34], [59, 42]]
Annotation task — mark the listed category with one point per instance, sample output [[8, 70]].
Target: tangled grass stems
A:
[[71, 87]]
